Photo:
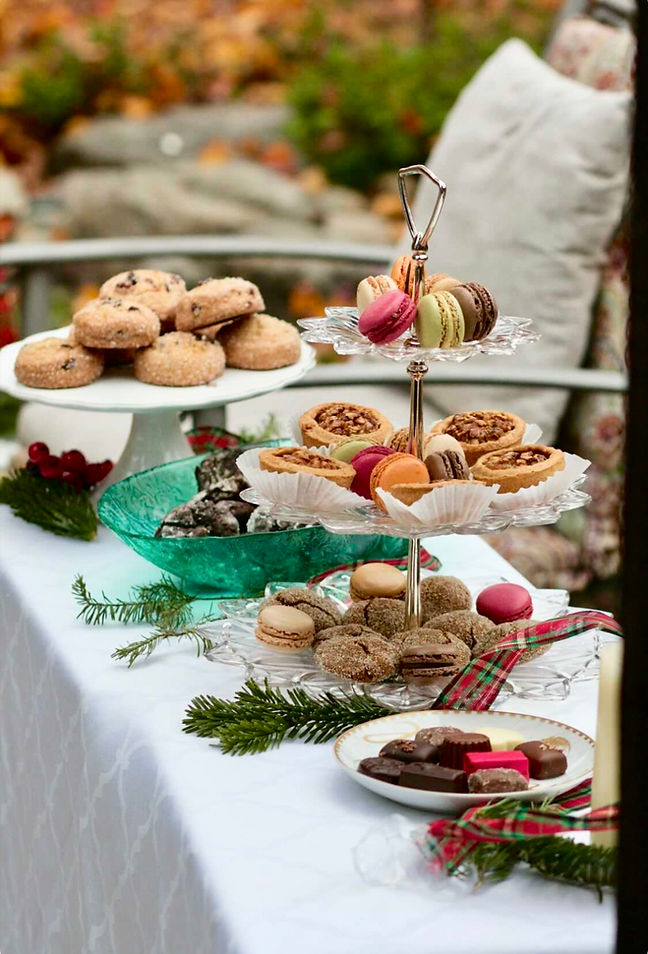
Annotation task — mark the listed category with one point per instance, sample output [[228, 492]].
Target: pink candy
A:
[[473, 761]]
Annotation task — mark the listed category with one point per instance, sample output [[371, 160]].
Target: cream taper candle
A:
[[606, 780]]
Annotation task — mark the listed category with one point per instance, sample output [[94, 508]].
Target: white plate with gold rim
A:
[[366, 740]]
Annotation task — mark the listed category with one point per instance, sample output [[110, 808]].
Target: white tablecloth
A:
[[122, 835]]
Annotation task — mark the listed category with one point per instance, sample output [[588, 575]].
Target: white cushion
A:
[[536, 167]]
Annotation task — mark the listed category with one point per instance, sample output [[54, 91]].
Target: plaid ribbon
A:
[[428, 562], [478, 683], [448, 843]]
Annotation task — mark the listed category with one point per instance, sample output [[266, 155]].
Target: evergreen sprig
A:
[[261, 717], [145, 646], [163, 604], [51, 504]]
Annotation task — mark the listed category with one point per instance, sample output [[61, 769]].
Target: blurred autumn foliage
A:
[[367, 79]]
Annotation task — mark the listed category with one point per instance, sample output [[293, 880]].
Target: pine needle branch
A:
[[51, 504], [145, 646], [261, 717], [162, 603]]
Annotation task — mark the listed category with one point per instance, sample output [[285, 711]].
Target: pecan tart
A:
[[480, 432], [519, 467], [338, 420], [300, 460]]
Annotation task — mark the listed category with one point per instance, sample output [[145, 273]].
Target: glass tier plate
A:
[[549, 676], [370, 519], [340, 329]]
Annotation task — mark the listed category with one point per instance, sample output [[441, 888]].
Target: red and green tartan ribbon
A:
[[479, 683], [428, 562], [451, 842]]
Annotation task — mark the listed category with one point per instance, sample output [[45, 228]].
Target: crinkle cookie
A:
[[322, 611], [443, 594], [365, 658], [467, 626], [116, 323], [383, 615], [162, 292], [488, 640], [57, 363], [260, 343], [217, 300], [179, 360]]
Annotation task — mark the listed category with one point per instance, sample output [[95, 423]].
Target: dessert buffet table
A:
[[122, 835]]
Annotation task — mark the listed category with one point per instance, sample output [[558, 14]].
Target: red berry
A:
[[75, 480], [38, 452], [95, 473], [50, 468], [73, 460]]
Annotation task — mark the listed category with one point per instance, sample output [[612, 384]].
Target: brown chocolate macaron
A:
[[479, 309], [429, 657], [382, 615]]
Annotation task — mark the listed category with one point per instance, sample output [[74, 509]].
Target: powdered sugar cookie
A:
[[57, 363], [260, 343], [179, 360]]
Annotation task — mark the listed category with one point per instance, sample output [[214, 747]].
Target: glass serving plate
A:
[[339, 328], [370, 519], [549, 676]]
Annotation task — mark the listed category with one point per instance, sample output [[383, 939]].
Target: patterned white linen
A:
[[122, 835]]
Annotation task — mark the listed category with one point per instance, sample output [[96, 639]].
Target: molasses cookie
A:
[[464, 625], [162, 292], [217, 300], [343, 630], [384, 616], [260, 343], [337, 420], [480, 432], [116, 323], [323, 612], [524, 466], [366, 658], [443, 594], [57, 363], [487, 640], [179, 360]]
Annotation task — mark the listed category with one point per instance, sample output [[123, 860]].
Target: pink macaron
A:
[[387, 317], [504, 603], [363, 463]]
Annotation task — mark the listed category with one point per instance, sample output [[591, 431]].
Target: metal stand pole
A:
[[416, 370]]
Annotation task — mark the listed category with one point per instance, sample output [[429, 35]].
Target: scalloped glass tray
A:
[[548, 677], [340, 329], [370, 519]]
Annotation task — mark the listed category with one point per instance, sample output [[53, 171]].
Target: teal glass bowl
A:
[[225, 566]]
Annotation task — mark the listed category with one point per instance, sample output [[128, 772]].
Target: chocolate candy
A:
[[401, 749], [433, 778], [473, 761], [386, 770], [447, 465], [544, 762], [453, 749], [493, 781]]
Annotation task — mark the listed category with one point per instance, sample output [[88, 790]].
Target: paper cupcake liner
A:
[[451, 504], [302, 491], [546, 491]]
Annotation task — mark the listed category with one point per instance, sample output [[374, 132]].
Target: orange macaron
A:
[[397, 469]]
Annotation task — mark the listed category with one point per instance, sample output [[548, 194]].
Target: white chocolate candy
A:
[[371, 288], [502, 740]]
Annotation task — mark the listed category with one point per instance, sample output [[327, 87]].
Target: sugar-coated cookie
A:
[[216, 300], [260, 343], [57, 363], [179, 360], [162, 292], [116, 323]]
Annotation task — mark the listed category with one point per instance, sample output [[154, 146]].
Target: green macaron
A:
[[439, 321]]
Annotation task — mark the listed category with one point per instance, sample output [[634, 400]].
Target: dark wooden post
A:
[[632, 936]]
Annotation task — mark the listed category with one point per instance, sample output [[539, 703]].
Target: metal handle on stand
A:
[[417, 369]]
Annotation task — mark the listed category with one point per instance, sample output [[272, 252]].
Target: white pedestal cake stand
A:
[[155, 436]]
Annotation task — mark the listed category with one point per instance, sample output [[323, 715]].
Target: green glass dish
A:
[[225, 566]]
